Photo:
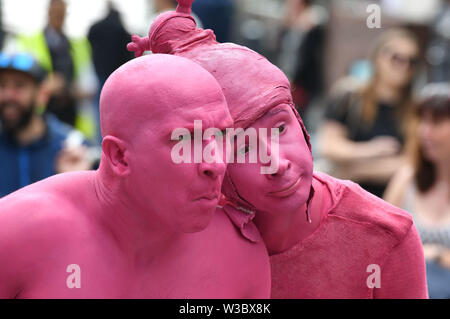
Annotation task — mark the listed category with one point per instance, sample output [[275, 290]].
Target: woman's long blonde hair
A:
[[368, 92]]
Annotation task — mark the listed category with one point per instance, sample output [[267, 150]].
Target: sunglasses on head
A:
[[402, 59], [21, 61]]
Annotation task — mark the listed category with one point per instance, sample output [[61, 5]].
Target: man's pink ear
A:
[[116, 153]]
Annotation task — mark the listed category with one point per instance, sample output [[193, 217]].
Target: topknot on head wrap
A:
[[172, 32], [184, 6], [139, 45]]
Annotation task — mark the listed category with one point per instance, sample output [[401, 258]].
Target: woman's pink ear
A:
[[184, 6]]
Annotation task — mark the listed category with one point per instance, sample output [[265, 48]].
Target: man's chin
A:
[[15, 117], [200, 223], [10, 128]]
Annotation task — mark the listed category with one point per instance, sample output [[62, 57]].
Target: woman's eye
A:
[[281, 128], [221, 133], [244, 150]]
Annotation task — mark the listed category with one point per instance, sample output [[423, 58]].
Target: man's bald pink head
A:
[[151, 88], [141, 104]]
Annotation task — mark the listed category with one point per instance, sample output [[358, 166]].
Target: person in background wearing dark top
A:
[[2, 32], [160, 6], [363, 132], [108, 38], [422, 187], [216, 15], [438, 52], [164, 5], [64, 58], [301, 50], [32, 146], [63, 103]]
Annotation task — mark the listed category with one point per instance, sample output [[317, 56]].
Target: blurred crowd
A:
[[376, 101]]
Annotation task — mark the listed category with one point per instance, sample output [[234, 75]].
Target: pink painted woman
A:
[[327, 238]]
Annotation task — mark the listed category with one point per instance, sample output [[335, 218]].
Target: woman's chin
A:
[[289, 203]]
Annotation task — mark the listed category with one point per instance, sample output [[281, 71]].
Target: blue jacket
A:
[[24, 165]]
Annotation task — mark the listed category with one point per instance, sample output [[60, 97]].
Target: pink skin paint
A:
[[191, 191], [260, 90], [141, 226], [325, 255], [287, 189]]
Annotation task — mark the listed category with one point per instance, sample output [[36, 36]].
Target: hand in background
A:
[[55, 84], [444, 258], [73, 159], [382, 146]]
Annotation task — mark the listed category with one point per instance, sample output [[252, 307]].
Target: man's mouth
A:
[[9, 111], [287, 191], [210, 197]]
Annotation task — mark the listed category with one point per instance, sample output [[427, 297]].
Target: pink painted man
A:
[[141, 226], [327, 238]]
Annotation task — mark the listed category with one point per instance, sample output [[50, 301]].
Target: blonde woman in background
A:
[[363, 133]]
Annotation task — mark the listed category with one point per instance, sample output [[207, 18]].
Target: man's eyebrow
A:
[[221, 123], [188, 126], [182, 125]]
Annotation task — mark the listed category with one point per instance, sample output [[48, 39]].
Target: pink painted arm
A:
[[7, 288], [17, 245], [403, 276]]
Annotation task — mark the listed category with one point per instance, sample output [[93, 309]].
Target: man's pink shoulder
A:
[[38, 211], [351, 202]]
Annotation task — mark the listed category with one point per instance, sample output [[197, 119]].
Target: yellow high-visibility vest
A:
[[81, 53]]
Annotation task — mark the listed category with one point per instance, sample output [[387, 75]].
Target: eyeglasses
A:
[[398, 59], [21, 61]]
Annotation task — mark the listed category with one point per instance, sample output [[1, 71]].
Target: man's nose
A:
[[214, 165], [212, 170], [8, 93]]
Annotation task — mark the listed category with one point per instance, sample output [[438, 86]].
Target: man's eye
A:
[[183, 137]]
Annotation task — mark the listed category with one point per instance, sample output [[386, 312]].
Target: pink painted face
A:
[[287, 189], [150, 98]]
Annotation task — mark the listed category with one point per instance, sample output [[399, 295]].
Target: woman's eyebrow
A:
[[276, 110], [225, 124]]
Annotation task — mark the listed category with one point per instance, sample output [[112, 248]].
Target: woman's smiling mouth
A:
[[289, 190]]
